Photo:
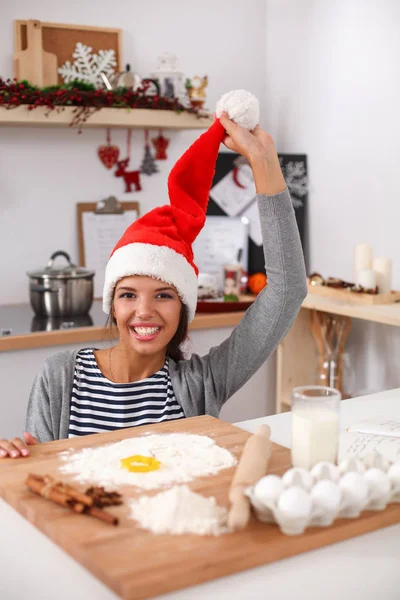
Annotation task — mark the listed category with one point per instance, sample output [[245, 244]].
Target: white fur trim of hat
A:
[[159, 262]]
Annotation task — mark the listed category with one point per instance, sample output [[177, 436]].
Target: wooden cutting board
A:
[[344, 295], [137, 564], [35, 64]]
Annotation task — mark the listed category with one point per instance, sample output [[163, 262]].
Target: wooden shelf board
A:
[[58, 337], [388, 314], [105, 117]]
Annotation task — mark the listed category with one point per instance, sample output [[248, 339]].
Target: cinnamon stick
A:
[[101, 514], [60, 493], [83, 498], [39, 486], [69, 490]]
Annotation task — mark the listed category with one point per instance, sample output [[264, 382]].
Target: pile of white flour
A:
[[183, 457], [179, 510]]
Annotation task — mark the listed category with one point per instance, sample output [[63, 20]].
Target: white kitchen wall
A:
[[332, 90], [45, 172]]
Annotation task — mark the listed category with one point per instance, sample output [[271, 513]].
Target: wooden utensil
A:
[[35, 64], [252, 466], [341, 344], [316, 330]]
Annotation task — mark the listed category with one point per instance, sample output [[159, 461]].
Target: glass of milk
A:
[[315, 425]]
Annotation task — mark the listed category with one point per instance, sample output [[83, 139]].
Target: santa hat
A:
[[159, 244]]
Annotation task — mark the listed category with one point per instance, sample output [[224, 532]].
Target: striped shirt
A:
[[98, 404]]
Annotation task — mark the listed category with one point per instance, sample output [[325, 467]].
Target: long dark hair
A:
[[173, 349]]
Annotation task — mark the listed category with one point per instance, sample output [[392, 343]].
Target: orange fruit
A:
[[257, 282]]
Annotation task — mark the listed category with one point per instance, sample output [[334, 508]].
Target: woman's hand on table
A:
[[17, 448]]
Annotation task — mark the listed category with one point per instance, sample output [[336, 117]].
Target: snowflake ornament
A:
[[296, 181], [88, 66]]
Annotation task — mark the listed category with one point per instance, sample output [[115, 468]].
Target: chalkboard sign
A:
[[294, 168]]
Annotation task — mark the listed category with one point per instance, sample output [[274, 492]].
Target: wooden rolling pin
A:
[[253, 465]]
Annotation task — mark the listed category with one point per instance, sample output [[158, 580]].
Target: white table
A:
[[367, 567]]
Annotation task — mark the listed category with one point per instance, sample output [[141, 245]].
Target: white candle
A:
[[366, 278], [362, 258], [383, 271]]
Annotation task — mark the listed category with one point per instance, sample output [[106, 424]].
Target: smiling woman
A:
[[147, 315], [150, 293]]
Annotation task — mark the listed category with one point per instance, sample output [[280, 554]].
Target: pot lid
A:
[[66, 271]]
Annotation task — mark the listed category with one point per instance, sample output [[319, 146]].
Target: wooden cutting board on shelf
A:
[[34, 64], [137, 564], [348, 297]]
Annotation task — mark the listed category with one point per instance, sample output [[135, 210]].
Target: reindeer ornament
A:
[[130, 177]]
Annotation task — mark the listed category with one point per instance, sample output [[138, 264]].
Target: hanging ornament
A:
[[108, 153], [148, 166], [160, 144], [130, 177]]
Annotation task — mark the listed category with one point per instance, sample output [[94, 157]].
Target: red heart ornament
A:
[[108, 155]]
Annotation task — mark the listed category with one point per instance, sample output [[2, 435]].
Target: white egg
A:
[[325, 470], [394, 473], [394, 478], [268, 489], [351, 463], [326, 502], [375, 460], [294, 502], [379, 489], [354, 491], [326, 494], [379, 479], [294, 511], [298, 477], [355, 483]]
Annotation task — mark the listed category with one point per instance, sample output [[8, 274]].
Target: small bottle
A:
[[128, 79], [232, 281]]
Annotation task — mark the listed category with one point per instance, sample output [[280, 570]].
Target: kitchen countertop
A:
[[20, 328], [363, 567]]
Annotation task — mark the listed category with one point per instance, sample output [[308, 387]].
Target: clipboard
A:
[[221, 241], [100, 226]]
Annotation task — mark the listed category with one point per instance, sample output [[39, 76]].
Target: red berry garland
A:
[[85, 97]]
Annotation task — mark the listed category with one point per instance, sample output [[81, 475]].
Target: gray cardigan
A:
[[203, 384]]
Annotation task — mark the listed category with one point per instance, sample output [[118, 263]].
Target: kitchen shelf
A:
[[297, 356], [388, 314], [105, 117]]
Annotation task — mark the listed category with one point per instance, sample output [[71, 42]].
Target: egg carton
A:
[[301, 498]]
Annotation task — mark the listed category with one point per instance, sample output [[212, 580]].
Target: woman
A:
[[150, 293]]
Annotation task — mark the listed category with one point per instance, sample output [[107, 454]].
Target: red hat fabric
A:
[[159, 244]]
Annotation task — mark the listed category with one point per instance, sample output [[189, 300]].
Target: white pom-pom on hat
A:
[[242, 107]]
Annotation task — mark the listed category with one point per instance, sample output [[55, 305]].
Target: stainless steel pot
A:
[[62, 292]]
